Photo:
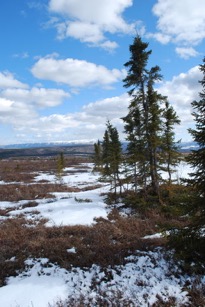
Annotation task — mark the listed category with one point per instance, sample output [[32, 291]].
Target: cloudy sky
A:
[[62, 63]]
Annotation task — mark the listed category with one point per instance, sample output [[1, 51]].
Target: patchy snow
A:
[[182, 170], [157, 235], [71, 250], [66, 208], [72, 176], [141, 279], [144, 276], [35, 287]]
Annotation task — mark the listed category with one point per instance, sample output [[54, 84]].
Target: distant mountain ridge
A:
[[45, 150], [68, 148], [46, 144], [188, 146], [184, 145]]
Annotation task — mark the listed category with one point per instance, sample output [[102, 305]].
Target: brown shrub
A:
[[105, 243], [25, 169], [16, 192]]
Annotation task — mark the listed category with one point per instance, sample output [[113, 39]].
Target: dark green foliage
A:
[[189, 245], [190, 242], [97, 158], [169, 147], [60, 165], [136, 156], [111, 154], [150, 145], [197, 158]]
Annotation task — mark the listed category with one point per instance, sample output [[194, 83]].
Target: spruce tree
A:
[[154, 127], [136, 148], [143, 122], [97, 158], [106, 154], [189, 242], [197, 157], [169, 148], [60, 166], [111, 154]]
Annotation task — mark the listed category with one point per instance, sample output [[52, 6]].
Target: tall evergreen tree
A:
[[143, 122], [190, 241], [97, 158], [154, 127], [136, 148], [169, 148], [111, 154], [197, 157], [106, 144]]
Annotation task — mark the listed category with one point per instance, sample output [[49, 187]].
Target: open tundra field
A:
[[63, 244]]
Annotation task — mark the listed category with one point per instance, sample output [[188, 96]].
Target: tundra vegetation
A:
[[144, 197]]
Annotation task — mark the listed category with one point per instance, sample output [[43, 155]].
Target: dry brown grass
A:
[[20, 173], [105, 243], [16, 192], [25, 169]]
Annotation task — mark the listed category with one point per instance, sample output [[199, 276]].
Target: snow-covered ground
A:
[[66, 208], [144, 277]]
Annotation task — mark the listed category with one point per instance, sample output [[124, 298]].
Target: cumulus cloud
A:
[[7, 80], [16, 105], [40, 97], [14, 113], [75, 73], [5, 105], [19, 103], [181, 22], [88, 124], [111, 108], [181, 91], [90, 20]]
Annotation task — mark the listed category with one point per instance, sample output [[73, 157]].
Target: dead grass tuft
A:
[[16, 192], [105, 243]]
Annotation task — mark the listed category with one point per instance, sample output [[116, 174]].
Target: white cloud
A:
[[186, 52], [108, 45], [84, 31], [18, 108], [181, 22], [37, 96], [87, 124], [5, 105], [90, 20], [14, 113], [7, 80], [19, 104], [111, 108], [181, 91], [75, 73], [90, 122]]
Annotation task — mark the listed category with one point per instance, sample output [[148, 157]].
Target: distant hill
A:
[[45, 150], [44, 145], [53, 149], [188, 146]]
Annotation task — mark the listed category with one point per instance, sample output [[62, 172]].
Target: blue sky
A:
[[62, 64]]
